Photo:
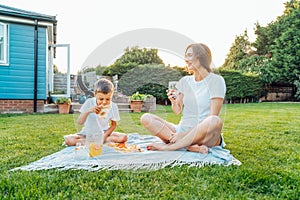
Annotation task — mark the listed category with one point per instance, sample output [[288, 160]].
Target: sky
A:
[[86, 25]]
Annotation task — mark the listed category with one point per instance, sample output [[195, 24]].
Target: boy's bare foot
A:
[[198, 148], [117, 138], [70, 140]]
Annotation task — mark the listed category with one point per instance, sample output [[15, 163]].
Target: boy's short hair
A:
[[104, 86]]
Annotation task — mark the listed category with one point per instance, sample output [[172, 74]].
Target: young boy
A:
[[99, 111]]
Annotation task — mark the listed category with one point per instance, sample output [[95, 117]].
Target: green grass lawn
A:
[[265, 137]]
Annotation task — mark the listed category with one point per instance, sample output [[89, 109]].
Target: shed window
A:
[[3, 43]]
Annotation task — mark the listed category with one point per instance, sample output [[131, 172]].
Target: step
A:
[[125, 110], [50, 108], [124, 107], [123, 104], [75, 107]]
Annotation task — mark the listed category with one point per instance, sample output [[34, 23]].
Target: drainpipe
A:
[[35, 64]]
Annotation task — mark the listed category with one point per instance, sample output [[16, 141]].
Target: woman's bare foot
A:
[[157, 146], [198, 148]]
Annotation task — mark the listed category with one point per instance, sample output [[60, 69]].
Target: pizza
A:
[[124, 147]]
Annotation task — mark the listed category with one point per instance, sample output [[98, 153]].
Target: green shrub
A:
[[63, 100], [138, 96], [148, 79], [242, 86]]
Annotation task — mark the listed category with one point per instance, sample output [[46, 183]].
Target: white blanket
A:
[[147, 160]]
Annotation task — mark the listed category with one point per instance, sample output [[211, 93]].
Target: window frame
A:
[[4, 61]]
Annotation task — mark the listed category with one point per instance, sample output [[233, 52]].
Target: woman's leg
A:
[[157, 126], [205, 133]]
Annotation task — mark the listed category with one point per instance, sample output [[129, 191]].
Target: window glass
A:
[[3, 43]]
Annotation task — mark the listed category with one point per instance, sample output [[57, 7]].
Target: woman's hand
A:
[[176, 100], [175, 137], [172, 96]]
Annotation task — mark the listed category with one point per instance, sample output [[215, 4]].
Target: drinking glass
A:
[[81, 150]]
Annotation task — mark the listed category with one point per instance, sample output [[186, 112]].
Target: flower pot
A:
[[149, 105], [136, 105], [64, 108]]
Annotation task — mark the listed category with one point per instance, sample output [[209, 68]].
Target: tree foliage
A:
[[237, 52], [100, 70], [286, 50], [88, 69], [266, 37], [148, 79], [297, 84], [276, 54], [279, 41], [132, 58]]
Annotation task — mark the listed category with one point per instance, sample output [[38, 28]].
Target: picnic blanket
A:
[[147, 160]]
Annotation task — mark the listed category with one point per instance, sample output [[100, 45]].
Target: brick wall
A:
[[19, 106]]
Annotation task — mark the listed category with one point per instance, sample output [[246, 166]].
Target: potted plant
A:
[[136, 101], [64, 104]]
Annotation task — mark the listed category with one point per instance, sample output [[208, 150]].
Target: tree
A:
[[276, 58], [133, 57], [286, 50], [100, 70], [279, 44], [238, 51], [266, 37], [88, 69]]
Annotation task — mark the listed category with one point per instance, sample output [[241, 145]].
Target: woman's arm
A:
[[215, 106], [176, 102]]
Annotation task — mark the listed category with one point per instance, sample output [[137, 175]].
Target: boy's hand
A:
[[95, 109], [98, 109], [102, 109]]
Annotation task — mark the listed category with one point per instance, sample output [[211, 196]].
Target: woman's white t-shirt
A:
[[196, 98], [93, 121]]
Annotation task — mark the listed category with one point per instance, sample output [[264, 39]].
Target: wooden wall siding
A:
[[17, 79]]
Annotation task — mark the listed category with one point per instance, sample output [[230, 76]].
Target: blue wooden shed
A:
[[25, 41]]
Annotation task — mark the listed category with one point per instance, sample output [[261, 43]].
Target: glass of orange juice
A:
[[95, 149], [95, 143]]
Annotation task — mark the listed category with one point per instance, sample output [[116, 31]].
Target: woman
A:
[[199, 98]]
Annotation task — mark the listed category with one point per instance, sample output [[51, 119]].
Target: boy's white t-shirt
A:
[[93, 121], [196, 98]]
